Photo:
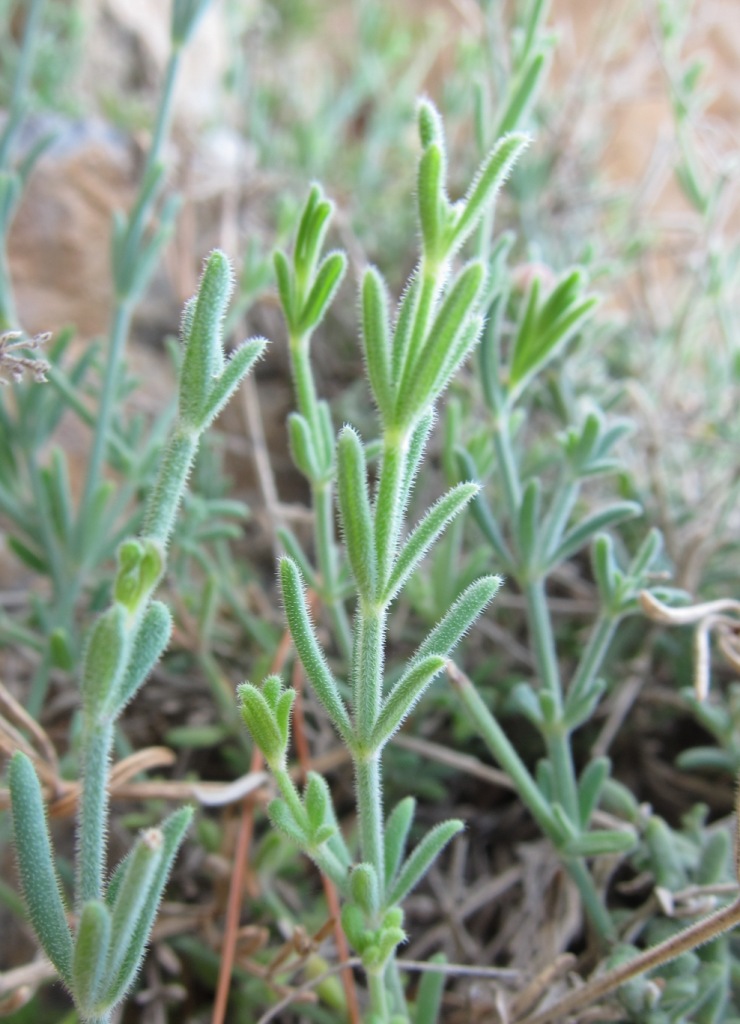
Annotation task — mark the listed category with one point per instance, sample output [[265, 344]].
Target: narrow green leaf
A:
[[522, 94], [364, 889], [286, 290], [580, 707], [311, 233], [417, 447], [354, 507], [309, 650], [452, 627], [133, 892], [458, 353], [402, 328], [590, 786], [429, 995], [489, 178], [173, 831], [426, 533], [404, 695], [429, 123], [303, 447], [482, 514], [528, 523], [237, 367], [303, 242], [148, 646], [376, 339], [317, 801], [41, 888], [540, 341], [203, 361], [29, 556], [328, 278], [604, 842], [605, 567], [185, 16], [416, 390], [397, 827], [56, 482], [582, 532], [325, 439], [282, 818], [715, 859], [92, 944], [259, 718], [431, 198], [105, 658], [422, 858], [646, 554]]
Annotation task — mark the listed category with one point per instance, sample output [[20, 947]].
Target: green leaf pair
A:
[[207, 380], [545, 327], [266, 714], [307, 287], [99, 963]]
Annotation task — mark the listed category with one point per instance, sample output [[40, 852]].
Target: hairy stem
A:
[[92, 829]]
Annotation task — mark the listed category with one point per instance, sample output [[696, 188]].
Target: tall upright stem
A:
[[93, 814], [123, 311]]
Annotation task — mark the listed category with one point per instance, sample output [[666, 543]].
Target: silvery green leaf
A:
[[452, 627], [309, 650], [133, 894], [421, 859], [41, 888], [173, 831], [92, 944], [259, 718], [397, 827], [354, 506], [489, 178], [426, 533], [376, 339], [404, 695], [582, 532], [323, 289], [363, 887], [149, 644], [203, 361], [590, 785]]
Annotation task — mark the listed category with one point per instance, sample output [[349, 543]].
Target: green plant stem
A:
[[322, 496], [368, 777], [378, 995], [559, 749], [432, 277], [531, 795], [164, 499], [22, 79], [117, 343], [93, 813], [123, 311], [506, 460], [503, 751], [367, 693], [540, 629], [593, 904], [322, 856], [593, 654], [305, 388], [326, 556], [389, 504]]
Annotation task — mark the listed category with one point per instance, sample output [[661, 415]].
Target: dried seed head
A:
[[12, 362]]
